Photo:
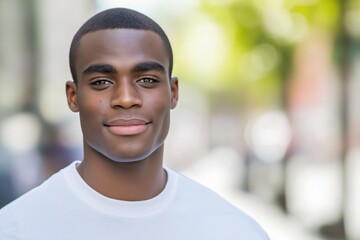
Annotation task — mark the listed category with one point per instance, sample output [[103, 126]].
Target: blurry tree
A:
[[261, 37], [255, 65]]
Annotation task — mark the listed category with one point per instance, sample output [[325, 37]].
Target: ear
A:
[[71, 96], [174, 87]]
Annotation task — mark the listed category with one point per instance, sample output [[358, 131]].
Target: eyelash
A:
[[100, 82], [149, 80], [146, 82]]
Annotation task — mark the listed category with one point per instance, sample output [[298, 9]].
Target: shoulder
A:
[[200, 194], [33, 196], [201, 201], [31, 203]]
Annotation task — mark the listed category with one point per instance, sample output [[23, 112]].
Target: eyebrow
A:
[[138, 68], [99, 68], [148, 66]]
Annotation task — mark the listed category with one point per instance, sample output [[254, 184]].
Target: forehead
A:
[[125, 46]]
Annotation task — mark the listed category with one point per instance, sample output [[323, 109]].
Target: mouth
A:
[[127, 127]]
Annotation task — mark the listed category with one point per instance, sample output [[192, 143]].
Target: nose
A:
[[125, 95]]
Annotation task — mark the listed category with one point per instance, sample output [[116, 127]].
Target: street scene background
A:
[[268, 113]]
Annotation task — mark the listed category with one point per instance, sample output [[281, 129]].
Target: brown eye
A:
[[147, 82], [100, 83]]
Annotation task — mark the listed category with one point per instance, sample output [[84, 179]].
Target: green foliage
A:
[[258, 41]]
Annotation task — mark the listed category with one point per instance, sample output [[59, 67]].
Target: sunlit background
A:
[[268, 114]]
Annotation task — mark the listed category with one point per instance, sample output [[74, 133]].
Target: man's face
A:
[[123, 94]]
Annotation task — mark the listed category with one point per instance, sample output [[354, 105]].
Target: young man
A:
[[121, 64]]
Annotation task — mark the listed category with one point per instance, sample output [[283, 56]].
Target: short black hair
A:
[[115, 18]]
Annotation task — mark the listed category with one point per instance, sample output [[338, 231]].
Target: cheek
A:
[[90, 109], [162, 114], [91, 103], [161, 107]]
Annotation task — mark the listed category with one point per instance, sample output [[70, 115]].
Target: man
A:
[[121, 64]]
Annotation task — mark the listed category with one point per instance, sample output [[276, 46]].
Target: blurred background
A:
[[267, 114]]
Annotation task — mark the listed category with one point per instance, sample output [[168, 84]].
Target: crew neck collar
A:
[[120, 208]]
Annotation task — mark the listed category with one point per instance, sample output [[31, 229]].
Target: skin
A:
[[124, 97]]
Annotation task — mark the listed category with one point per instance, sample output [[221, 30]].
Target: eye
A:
[[100, 83], [147, 82]]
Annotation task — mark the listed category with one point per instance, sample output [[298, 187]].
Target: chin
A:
[[128, 153], [127, 160], [135, 156]]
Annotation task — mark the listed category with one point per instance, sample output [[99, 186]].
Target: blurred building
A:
[[261, 111]]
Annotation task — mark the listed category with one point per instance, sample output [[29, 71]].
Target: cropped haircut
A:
[[117, 18]]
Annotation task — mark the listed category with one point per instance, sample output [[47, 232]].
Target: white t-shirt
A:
[[65, 207]]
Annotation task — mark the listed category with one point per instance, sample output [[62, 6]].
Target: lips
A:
[[127, 127]]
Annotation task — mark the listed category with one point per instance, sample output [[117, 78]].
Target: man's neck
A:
[[133, 181]]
